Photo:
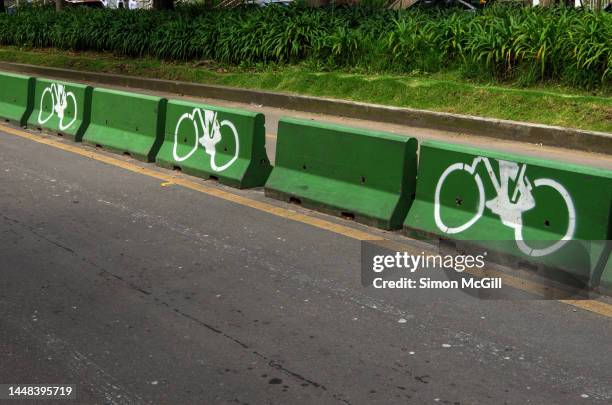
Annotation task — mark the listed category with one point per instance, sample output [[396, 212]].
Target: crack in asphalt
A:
[[106, 274]]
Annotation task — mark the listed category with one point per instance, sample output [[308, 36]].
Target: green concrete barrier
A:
[[354, 173], [127, 123], [606, 277], [61, 107], [214, 142], [16, 97], [603, 276], [544, 212]]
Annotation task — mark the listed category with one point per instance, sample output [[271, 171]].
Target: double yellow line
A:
[[595, 306]]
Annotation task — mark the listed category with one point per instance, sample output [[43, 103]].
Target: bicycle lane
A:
[[191, 291], [274, 114]]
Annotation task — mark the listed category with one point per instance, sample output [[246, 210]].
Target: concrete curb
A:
[[567, 138]]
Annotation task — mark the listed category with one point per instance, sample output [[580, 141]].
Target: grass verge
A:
[[446, 92]]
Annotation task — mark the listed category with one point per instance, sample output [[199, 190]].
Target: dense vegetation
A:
[[524, 45]]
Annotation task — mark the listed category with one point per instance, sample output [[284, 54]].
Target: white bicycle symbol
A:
[[210, 137], [510, 210], [59, 102]]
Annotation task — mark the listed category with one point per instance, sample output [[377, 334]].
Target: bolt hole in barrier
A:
[[126, 123], [61, 108], [16, 97], [215, 143], [550, 213], [348, 215], [324, 166]]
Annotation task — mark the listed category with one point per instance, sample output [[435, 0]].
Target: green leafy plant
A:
[[526, 45]]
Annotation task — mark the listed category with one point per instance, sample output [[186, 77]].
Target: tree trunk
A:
[[1, 6], [59, 5], [317, 3], [163, 4]]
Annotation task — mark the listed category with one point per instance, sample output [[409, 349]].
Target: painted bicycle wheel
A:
[[186, 136], [554, 214], [223, 158], [47, 105], [456, 210], [69, 112]]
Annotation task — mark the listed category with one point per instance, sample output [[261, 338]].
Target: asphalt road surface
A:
[[144, 291]]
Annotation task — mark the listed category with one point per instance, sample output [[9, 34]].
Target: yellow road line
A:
[[549, 292], [598, 307], [169, 179], [533, 287]]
